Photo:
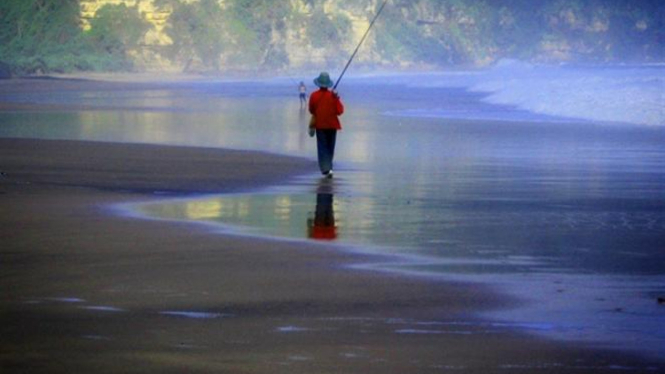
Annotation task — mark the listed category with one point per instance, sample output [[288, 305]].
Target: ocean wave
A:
[[605, 94]]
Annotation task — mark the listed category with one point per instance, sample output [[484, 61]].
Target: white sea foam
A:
[[607, 94], [103, 308], [431, 332], [291, 329], [65, 299], [194, 315], [623, 94]]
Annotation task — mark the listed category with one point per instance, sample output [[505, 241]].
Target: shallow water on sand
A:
[[568, 214]]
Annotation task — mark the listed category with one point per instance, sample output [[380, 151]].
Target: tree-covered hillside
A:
[[222, 35], [45, 36]]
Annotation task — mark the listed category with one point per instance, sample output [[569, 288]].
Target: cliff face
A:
[[156, 16], [292, 37], [292, 34]]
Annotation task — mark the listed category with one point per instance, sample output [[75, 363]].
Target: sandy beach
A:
[[85, 289]]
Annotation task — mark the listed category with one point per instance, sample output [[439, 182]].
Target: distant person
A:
[[302, 89], [325, 107]]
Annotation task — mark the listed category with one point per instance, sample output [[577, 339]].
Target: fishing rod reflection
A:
[[323, 225]]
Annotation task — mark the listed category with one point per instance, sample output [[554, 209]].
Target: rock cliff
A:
[[293, 38], [249, 35]]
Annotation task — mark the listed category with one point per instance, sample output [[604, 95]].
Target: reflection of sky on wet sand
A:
[[294, 215], [575, 195], [499, 201]]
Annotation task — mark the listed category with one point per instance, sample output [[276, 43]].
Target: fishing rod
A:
[[359, 44]]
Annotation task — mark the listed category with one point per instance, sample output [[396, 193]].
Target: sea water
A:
[[545, 182]]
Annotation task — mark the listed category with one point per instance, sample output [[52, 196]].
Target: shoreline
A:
[[85, 289], [526, 312]]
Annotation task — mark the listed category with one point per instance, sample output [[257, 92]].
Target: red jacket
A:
[[326, 107]]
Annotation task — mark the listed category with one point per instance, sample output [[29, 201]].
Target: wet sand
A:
[[86, 290]]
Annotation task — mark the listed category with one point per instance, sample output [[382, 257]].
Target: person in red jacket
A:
[[325, 107]]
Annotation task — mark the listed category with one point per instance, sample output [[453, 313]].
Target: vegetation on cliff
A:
[[211, 35], [39, 36]]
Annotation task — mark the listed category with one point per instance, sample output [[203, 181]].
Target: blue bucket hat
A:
[[323, 80]]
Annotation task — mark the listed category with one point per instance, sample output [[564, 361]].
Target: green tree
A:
[[420, 32], [256, 29], [40, 35], [115, 31], [327, 30], [196, 30]]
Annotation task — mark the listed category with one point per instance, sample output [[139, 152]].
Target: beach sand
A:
[[85, 290]]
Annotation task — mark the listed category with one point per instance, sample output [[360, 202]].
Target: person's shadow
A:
[[323, 226]]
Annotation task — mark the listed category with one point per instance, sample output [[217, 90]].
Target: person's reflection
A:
[[322, 226]]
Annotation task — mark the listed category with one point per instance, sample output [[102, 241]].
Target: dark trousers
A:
[[325, 144]]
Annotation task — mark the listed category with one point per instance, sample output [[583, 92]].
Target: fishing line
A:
[[359, 44]]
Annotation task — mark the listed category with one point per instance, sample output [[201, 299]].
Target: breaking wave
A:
[[607, 94], [618, 94]]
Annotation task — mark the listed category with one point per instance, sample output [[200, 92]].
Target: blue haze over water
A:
[[547, 183]]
